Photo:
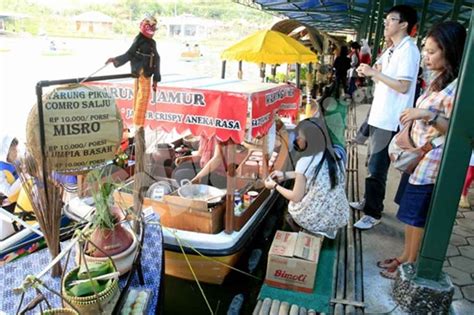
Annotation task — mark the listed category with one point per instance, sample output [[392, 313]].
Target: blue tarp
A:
[[340, 15]]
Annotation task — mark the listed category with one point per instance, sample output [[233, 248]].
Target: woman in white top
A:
[[312, 144], [10, 183]]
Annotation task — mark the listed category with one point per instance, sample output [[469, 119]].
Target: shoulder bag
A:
[[403, 152]]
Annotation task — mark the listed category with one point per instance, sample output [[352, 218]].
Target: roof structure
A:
[[353, 15], [94, 16], [315, 37], [12, 16]]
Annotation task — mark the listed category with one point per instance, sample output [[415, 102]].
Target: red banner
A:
[[282, 100], [210, 112]]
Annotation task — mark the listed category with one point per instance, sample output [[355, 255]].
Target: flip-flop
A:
[[390, 262], [389, 273]]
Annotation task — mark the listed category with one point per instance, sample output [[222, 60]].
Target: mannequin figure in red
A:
[[145, 63]]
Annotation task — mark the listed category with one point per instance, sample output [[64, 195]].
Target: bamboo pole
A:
[[284, 308], [262, 71], [239, 73], [294, 309], [257, 308], [229, 212], [275, 307], [223, 69], [266, 305], [138, 178]]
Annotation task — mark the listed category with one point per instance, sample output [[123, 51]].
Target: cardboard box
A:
[[293, 260]]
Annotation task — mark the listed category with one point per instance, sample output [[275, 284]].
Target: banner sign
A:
[[82, 127], [210, 112], [283, 100]]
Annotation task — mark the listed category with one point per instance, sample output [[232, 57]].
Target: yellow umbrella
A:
[[269, 47]]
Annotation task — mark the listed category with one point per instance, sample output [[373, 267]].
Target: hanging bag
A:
[[403, 152], [322, 210]]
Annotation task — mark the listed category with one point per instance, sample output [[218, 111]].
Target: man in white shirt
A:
[[395, 76]]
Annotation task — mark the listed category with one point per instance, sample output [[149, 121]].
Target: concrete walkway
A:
[[386, 240]]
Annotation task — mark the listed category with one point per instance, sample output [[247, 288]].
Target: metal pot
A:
[[201, 192], [158, 190], [192, 141]]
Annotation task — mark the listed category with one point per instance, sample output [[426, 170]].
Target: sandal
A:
[[389, 273], [389, 263]]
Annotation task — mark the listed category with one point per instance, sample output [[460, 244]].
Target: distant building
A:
[[93, 22], [188, 26], [10, 19]]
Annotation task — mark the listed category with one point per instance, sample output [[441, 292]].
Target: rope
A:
[[195, 277], [28, 280], [90, 75]]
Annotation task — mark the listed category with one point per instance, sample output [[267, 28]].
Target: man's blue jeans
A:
[[378, 165]]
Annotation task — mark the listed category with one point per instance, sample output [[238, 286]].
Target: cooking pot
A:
[[192, 141], [158, 190], [201, 192]]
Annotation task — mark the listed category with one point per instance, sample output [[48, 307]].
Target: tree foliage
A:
[[126, 13]]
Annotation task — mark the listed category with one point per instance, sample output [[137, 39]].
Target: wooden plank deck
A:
[[349, 292]]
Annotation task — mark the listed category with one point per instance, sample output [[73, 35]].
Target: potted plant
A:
[[109, 237]]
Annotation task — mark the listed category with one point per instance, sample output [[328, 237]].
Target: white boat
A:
[[27, 240], [233, 111]]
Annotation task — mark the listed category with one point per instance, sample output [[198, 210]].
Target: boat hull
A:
[[206, 269]]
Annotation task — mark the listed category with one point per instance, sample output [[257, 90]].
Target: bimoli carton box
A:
[[293, 260]]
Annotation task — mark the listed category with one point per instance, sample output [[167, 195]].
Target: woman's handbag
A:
[[403, 152], [322, 210]]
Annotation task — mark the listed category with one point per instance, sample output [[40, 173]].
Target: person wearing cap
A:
[[145, 64], [10, 183]]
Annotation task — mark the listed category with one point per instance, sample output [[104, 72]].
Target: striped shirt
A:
[[441, 103]]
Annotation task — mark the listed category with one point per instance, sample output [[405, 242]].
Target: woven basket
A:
[[33, 134], [60, 311], [33, 129], [88, 304]]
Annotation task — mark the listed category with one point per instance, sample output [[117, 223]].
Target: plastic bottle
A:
[[237, 202]]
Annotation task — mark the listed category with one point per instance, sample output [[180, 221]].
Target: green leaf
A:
[[86, 288], [95, 269]]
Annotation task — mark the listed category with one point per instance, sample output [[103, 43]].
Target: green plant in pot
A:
[[108, 237]]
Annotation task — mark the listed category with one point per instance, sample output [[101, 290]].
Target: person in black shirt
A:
[[341, 65]]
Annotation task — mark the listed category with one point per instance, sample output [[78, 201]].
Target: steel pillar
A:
[[456, 8], [378, 29], [422, 22], [372, 23]]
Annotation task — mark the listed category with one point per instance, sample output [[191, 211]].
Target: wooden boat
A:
[[211, 239], [190, 226], [53, 47], [191, 54]]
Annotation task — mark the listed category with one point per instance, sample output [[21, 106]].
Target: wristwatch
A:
[[432, 121]]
